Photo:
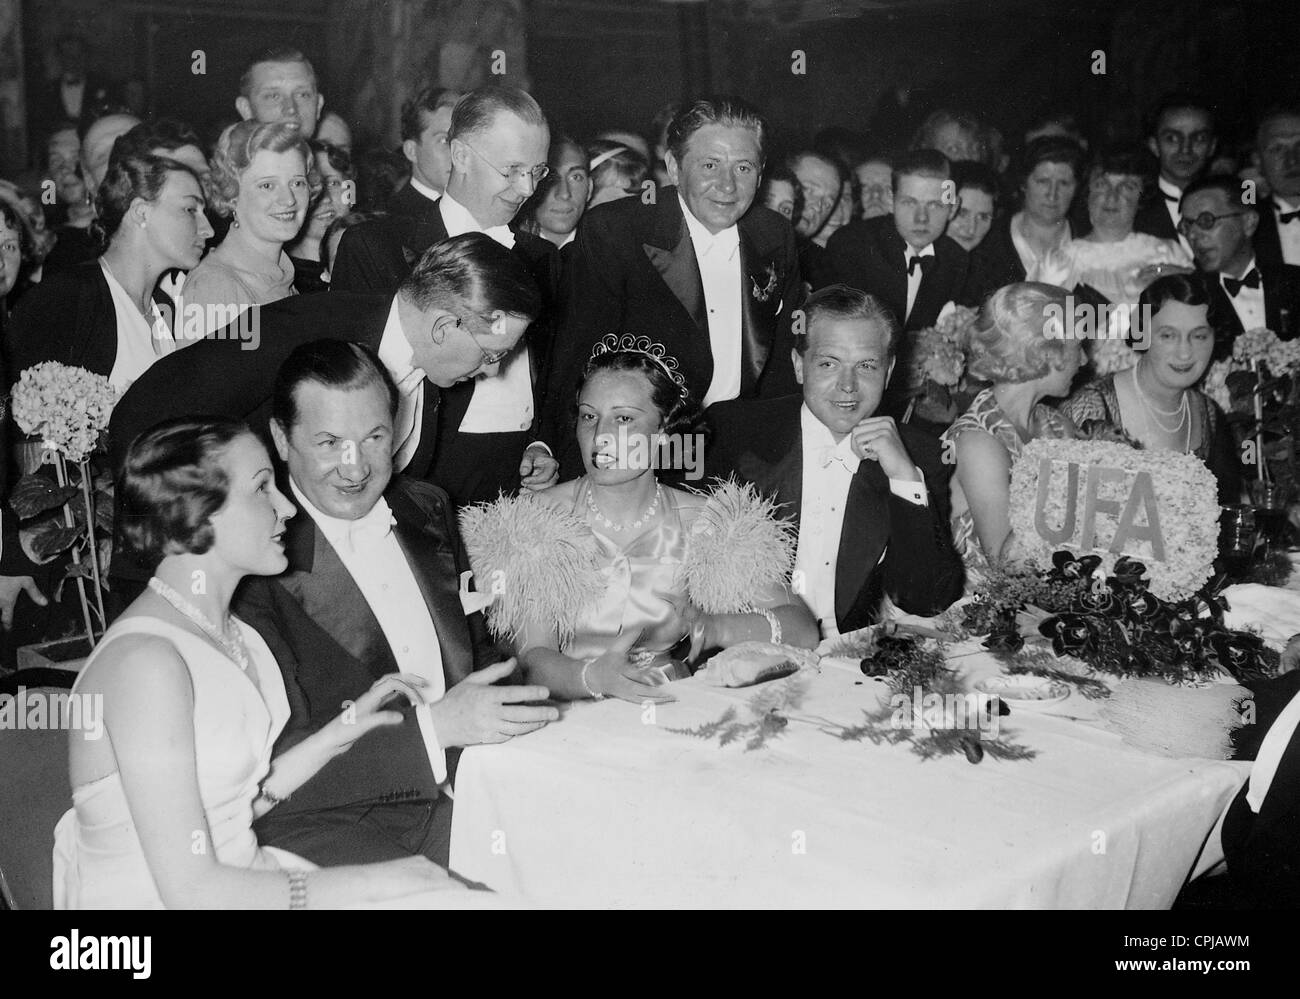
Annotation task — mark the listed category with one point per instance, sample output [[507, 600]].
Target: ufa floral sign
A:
[[1110, 500]]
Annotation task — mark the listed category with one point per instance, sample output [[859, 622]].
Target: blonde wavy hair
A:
[[1018, 336], [239, 143]]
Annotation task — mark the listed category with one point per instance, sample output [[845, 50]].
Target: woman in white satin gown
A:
[[193, 701]]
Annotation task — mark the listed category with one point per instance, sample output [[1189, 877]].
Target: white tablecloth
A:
[[608, 808]]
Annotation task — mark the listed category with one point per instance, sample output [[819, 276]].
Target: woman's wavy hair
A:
[[128, 178], [26, 243], [679, 412], [235, 150], [1013, 339], [171, 484]]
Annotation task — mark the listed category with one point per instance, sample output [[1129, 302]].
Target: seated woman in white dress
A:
[[606, 582], [192, 702]]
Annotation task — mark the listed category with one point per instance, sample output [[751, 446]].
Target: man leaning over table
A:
[[868, 496], [373, 587]]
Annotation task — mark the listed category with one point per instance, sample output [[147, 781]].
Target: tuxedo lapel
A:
[[673, 256], [433, 564], [775, 467], [758, 278], [863, 536], [892, 252], [330, 597]]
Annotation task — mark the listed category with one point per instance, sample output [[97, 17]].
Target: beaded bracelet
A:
[[773, 622], [297, 889], [587, 686]]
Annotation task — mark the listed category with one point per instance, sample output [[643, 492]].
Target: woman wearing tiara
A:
[[600, 580], [192, 702]]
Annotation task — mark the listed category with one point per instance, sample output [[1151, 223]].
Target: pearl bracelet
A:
[[773, 622]]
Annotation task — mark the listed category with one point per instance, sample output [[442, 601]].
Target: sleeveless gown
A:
[[98, 860]]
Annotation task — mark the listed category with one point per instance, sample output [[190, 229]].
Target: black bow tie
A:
[[1284, 217], [923, 262], [1251, 280]]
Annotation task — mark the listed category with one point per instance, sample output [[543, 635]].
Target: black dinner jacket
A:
[[1281, 305], [760, 441], [1268, 243], [1263, 851], [68, 317], [330, 648], [632, 269], [868, 254], [217, 376], [1153, 218], [994, 264], [378, 255]]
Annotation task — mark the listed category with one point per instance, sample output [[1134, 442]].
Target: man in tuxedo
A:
[[498, 143], [1244, 294], [821, 179], [77, 94], [904, 259], [869, 496], [1277, 152], [460, 311], [280, 85], [373, 587], [700, 269], [1182, 138], [426, 125]]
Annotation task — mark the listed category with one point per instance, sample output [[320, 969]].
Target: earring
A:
[[234, 220], [143, 224]]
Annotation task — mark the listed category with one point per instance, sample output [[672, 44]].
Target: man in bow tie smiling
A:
[[869, 496], [373, 587]]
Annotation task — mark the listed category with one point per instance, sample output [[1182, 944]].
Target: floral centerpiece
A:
[[935, 366], [1258, 386], [65, 411]]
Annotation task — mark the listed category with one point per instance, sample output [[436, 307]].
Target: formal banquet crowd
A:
[[428, 443]]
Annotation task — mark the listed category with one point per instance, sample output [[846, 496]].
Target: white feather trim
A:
[[539, 562], [739, 547]]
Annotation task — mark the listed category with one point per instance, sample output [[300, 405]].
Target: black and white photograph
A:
[[607, 455]]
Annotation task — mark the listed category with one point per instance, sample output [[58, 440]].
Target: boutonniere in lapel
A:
[[766, 291]]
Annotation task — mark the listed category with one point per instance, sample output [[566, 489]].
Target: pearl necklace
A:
[[1184, 411], [232, 647], [619, 528]]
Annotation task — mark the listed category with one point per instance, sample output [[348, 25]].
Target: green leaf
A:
[[44, 541], [35, 494]]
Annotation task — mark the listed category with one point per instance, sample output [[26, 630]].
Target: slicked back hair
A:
[[338, 364], [729, 111], [477, 111], [839, 301], [427, 102], [472, 272], [923, 162]]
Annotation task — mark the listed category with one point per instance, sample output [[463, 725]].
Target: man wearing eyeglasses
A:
[[1182, 137], [497, 144], [1245, 294]]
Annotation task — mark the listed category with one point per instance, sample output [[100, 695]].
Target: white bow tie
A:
[[370, 529], [831, 453]]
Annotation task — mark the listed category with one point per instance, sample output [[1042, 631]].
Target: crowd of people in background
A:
[[434, 329]]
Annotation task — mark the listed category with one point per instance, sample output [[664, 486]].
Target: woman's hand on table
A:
[[613, 674], [701, 627]]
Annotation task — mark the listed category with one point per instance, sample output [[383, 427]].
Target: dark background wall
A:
[[611, 63]]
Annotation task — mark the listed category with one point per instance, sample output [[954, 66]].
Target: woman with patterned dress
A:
[[1017, 344], [1156, 403], [602, 577]]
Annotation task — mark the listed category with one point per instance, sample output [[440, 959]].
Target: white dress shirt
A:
[[502, 403], [395, 354], [424, 189], [828, 470], [915, 274], [1171, 195], [719, 258], [139, 343], [1288, 234], [369, 551], [1248, 303]]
